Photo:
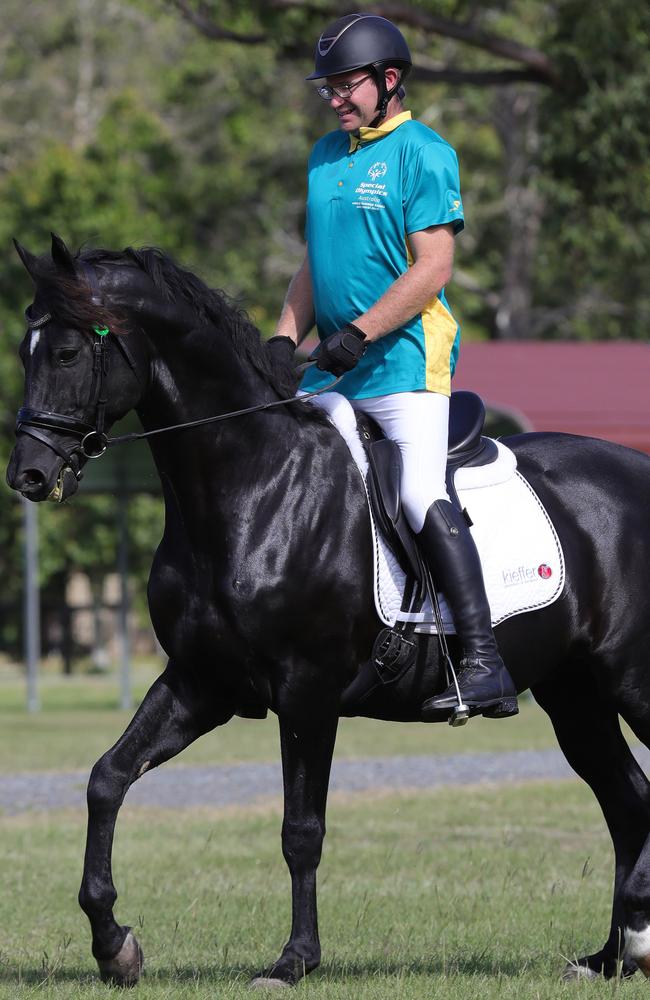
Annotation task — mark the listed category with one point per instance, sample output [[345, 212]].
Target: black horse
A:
[[261, 589]]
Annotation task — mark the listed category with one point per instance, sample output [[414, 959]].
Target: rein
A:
[[125, 438], [93, 441]]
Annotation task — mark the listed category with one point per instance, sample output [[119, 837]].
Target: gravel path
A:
[[184, 787]]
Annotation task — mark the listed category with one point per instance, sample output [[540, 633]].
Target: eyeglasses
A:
[[343, 90]]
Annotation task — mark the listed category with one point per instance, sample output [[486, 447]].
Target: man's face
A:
[[360, 108]]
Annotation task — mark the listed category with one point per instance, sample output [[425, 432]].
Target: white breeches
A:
[[418, 423]]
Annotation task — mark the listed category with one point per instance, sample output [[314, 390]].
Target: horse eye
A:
[[68, 355]]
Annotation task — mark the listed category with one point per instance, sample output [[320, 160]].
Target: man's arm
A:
[[297, 316], [433, 254]]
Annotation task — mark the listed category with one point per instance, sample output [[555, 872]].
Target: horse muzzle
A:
[[37, 480]]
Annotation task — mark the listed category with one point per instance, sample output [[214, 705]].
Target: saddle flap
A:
[[384, 485]]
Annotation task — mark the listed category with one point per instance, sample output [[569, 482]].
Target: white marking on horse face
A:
[[637, 943], [33, 343]]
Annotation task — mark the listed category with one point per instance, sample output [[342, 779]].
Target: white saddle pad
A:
[[521, 555]]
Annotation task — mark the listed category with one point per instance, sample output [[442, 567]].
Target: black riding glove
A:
[[341, 351]]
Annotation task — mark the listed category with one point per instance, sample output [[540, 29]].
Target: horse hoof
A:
[[268, 983], [574, 971], [125, 968]]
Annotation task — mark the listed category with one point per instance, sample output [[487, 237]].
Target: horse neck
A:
[[189, 382], [192, 378]]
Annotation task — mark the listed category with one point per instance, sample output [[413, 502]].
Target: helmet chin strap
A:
[[385, 96]]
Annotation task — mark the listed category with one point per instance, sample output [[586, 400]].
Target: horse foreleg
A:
[[590, 736], [175, 711], [307, 750]]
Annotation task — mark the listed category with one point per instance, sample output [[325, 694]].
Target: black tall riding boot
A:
[[449, 550]]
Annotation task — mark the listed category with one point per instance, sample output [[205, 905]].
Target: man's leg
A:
[[418, 423]]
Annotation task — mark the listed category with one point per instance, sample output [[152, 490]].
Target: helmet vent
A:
[[325, 42]]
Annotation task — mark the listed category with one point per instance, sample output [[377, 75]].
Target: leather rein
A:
[[93, 440]]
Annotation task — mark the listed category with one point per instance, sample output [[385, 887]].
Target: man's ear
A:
[[391, 76]]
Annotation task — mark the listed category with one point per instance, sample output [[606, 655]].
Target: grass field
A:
[[79, 721], [450, 894]]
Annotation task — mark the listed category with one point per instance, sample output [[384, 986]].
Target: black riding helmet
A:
[[357, 41]]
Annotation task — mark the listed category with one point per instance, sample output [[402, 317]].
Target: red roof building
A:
[[601, 389]]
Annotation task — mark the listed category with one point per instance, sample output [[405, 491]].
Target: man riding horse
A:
[[383, 210]]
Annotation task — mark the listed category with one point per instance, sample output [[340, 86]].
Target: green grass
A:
[[80, 720], [454, 894]]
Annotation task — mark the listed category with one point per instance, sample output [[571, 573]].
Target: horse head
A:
[[86, 365], [107, 328]]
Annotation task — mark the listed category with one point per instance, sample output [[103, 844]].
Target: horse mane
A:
[[70, 301]]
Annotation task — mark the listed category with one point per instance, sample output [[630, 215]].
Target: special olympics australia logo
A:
[[377, 170]]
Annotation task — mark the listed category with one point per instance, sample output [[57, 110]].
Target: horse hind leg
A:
[[174, 712], [636, 897], [636, 890], [590, 736]]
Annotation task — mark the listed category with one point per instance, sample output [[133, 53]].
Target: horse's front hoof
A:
[[125, 968], [601, 965], [575, 970], [287, 971], [268, 983]]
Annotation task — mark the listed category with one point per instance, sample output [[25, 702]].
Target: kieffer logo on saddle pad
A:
[[525, 574]]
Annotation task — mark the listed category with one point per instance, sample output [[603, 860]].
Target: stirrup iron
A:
[[460, 715]]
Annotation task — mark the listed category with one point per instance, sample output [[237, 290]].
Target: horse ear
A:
[[61, 255], [28, 259]]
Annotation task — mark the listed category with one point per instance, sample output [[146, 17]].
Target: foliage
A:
[[596, 154]]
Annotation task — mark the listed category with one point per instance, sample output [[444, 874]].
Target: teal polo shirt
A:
[[366, 194]]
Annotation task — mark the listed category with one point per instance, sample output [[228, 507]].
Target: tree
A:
[[577, 65]]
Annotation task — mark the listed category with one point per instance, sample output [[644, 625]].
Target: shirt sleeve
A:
[[432, 189]]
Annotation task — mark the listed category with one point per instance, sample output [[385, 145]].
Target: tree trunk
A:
[[82, 110], [516, 124]]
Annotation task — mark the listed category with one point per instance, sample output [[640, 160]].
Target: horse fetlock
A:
[[96, 899], [125, 968]]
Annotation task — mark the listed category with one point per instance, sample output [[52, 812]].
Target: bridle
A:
[[93, 441]]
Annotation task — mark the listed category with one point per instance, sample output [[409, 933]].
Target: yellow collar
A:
[[367, 134]]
